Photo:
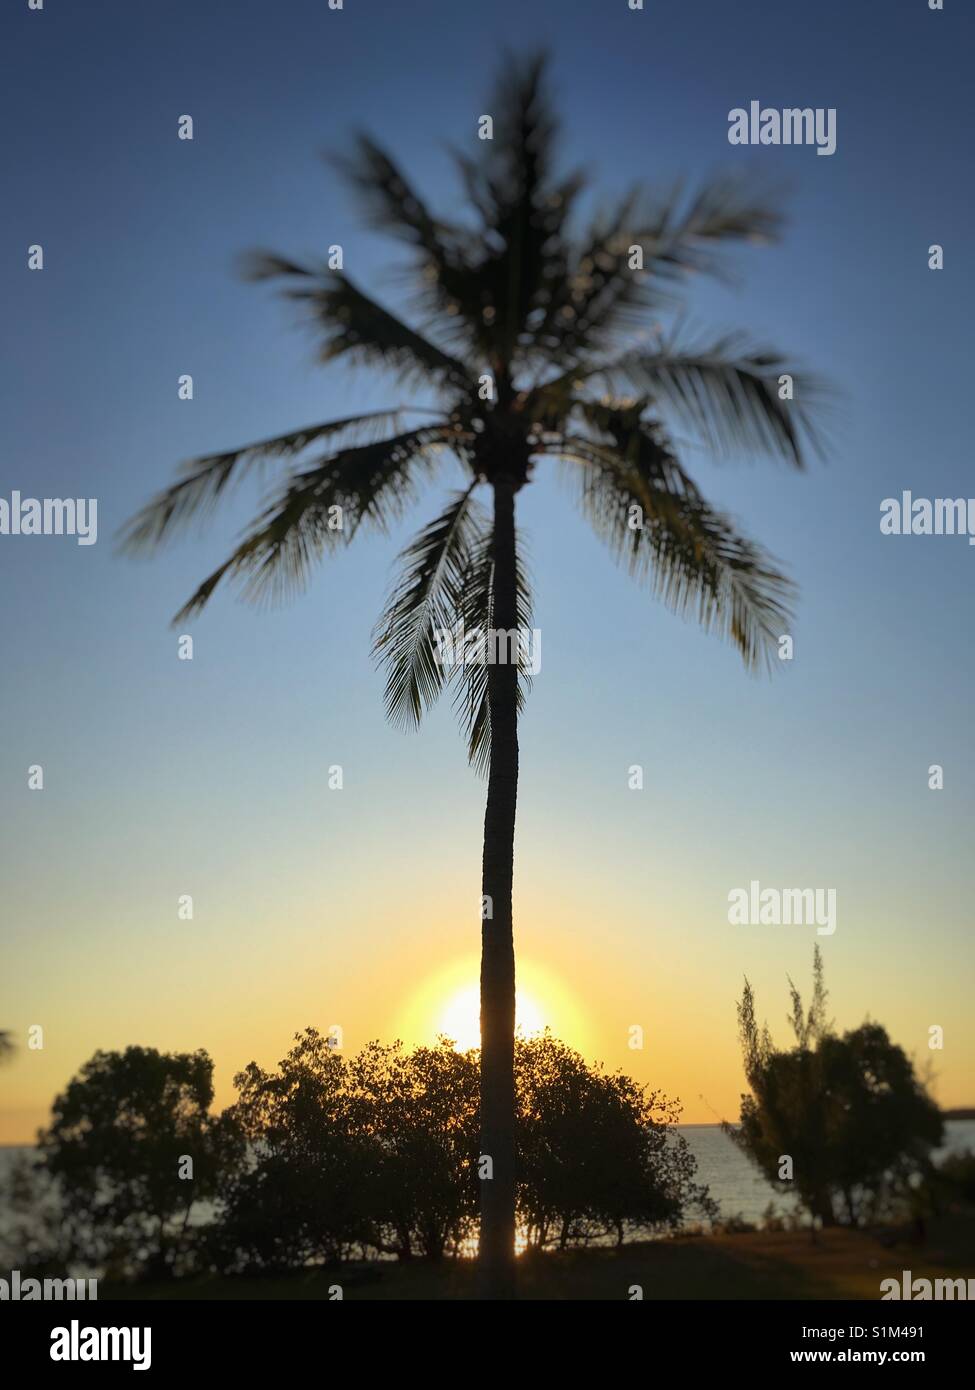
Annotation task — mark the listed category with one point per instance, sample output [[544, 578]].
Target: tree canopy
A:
[[841, 1121], [131, 1147]]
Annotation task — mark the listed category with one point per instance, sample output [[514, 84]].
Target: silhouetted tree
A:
[[598, 1154], [421, 1109], [374, 1152], [299, 1194], [525, 333], [119, 1147], [848, 1111]]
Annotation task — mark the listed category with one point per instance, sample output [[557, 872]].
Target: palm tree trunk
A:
[[497, 1243]]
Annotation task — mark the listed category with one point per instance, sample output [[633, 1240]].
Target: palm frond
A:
[[442, 274], [205, 480], [641, 442], [355, 326], [521, 252], [424, 602], [727, 391], [690, 237], [598, 296], [391, 204], [369, 484], [694, 558], [601, 296]]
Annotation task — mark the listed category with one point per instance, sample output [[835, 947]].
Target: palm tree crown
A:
[[525, 325]]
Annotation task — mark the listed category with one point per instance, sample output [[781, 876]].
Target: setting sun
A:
[[448, 1005], [461, 1017]]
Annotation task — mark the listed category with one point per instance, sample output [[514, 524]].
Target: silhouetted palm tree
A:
[[521, 327]]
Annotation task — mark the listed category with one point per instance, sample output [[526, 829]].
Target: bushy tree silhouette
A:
[[117, 1148], [849, 1112]]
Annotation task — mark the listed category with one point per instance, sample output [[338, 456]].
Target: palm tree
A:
[[522, 327]]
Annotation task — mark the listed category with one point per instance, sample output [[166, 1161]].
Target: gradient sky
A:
[[209, 777]]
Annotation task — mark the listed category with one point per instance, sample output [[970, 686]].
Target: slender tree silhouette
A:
[[525, 324]]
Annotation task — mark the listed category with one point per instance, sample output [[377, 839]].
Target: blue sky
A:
[[209, 777]]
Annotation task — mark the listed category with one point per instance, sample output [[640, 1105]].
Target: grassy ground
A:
[[839, 1264]]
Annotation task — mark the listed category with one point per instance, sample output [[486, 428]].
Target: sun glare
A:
[[449, 1005], [461, 1017]]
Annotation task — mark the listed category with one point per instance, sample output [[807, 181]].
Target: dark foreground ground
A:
[[788, 1265]]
